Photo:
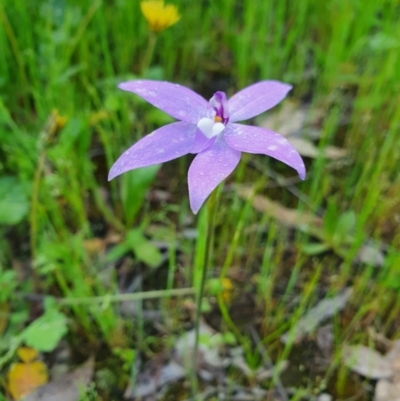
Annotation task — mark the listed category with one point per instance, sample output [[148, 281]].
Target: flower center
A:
[[218, 116]]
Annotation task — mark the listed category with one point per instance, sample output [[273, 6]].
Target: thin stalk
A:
[[35, 204], [148, 56], [106, 299], [210, 212]]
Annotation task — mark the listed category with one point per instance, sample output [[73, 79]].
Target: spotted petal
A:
[[246, 138], [166, 143], [256, 99], [208, 169], [176, 100]]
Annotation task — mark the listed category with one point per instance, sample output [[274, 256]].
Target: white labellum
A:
[[209, 127]]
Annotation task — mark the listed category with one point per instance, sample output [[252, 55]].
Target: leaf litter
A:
[[369, 253], [373, 365], [299, 124], [24, 377], [316, 315], [67, 387], [167, 368]]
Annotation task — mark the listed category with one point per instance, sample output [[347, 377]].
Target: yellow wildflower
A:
[[159, 16]]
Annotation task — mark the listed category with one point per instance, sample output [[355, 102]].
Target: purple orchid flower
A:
[[207, 129]]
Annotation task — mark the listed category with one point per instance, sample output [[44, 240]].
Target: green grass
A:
[[65, 58]]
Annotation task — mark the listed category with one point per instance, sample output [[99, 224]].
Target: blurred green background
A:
[[66, 233]]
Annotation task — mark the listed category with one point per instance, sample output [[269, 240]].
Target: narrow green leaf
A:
[[14, 204], [144, 250], [135, 185], [314, 248]]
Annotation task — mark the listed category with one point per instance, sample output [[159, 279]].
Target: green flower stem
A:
[[210, 212], [148, 56]]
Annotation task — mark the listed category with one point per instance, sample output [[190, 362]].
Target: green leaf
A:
[[14, 203], [314, 248], [330, 218], [229, 338], [144, 250], [75, 138], [46, 332], [8, 283], [117, 252], [344, 227]]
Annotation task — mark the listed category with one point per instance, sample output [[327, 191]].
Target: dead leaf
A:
[[306, 222], [24, 377], [308, 149], [387, 391], [165, 369], [367, 362], [393, 356], [208, 350], [288, 120], [153, 378], [324, 397], [371, 364], [292, 121], [322, 311], [324, 339], [67, 387], [27, 354], [371, 255], [290, 217]]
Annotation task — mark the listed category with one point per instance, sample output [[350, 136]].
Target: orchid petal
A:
[[208, 169], [246, 138], [256, 99], [176, 100], [164, 144], [201, 142]]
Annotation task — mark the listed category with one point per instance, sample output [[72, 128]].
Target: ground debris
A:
[[324, 397], [322, 311], [168, 368], [153, 378], [24, 377], [301, 220], [300, 125], [366, 362], [67, 387], [371, 255], [310, 223], [325, 338], [373, 365]]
